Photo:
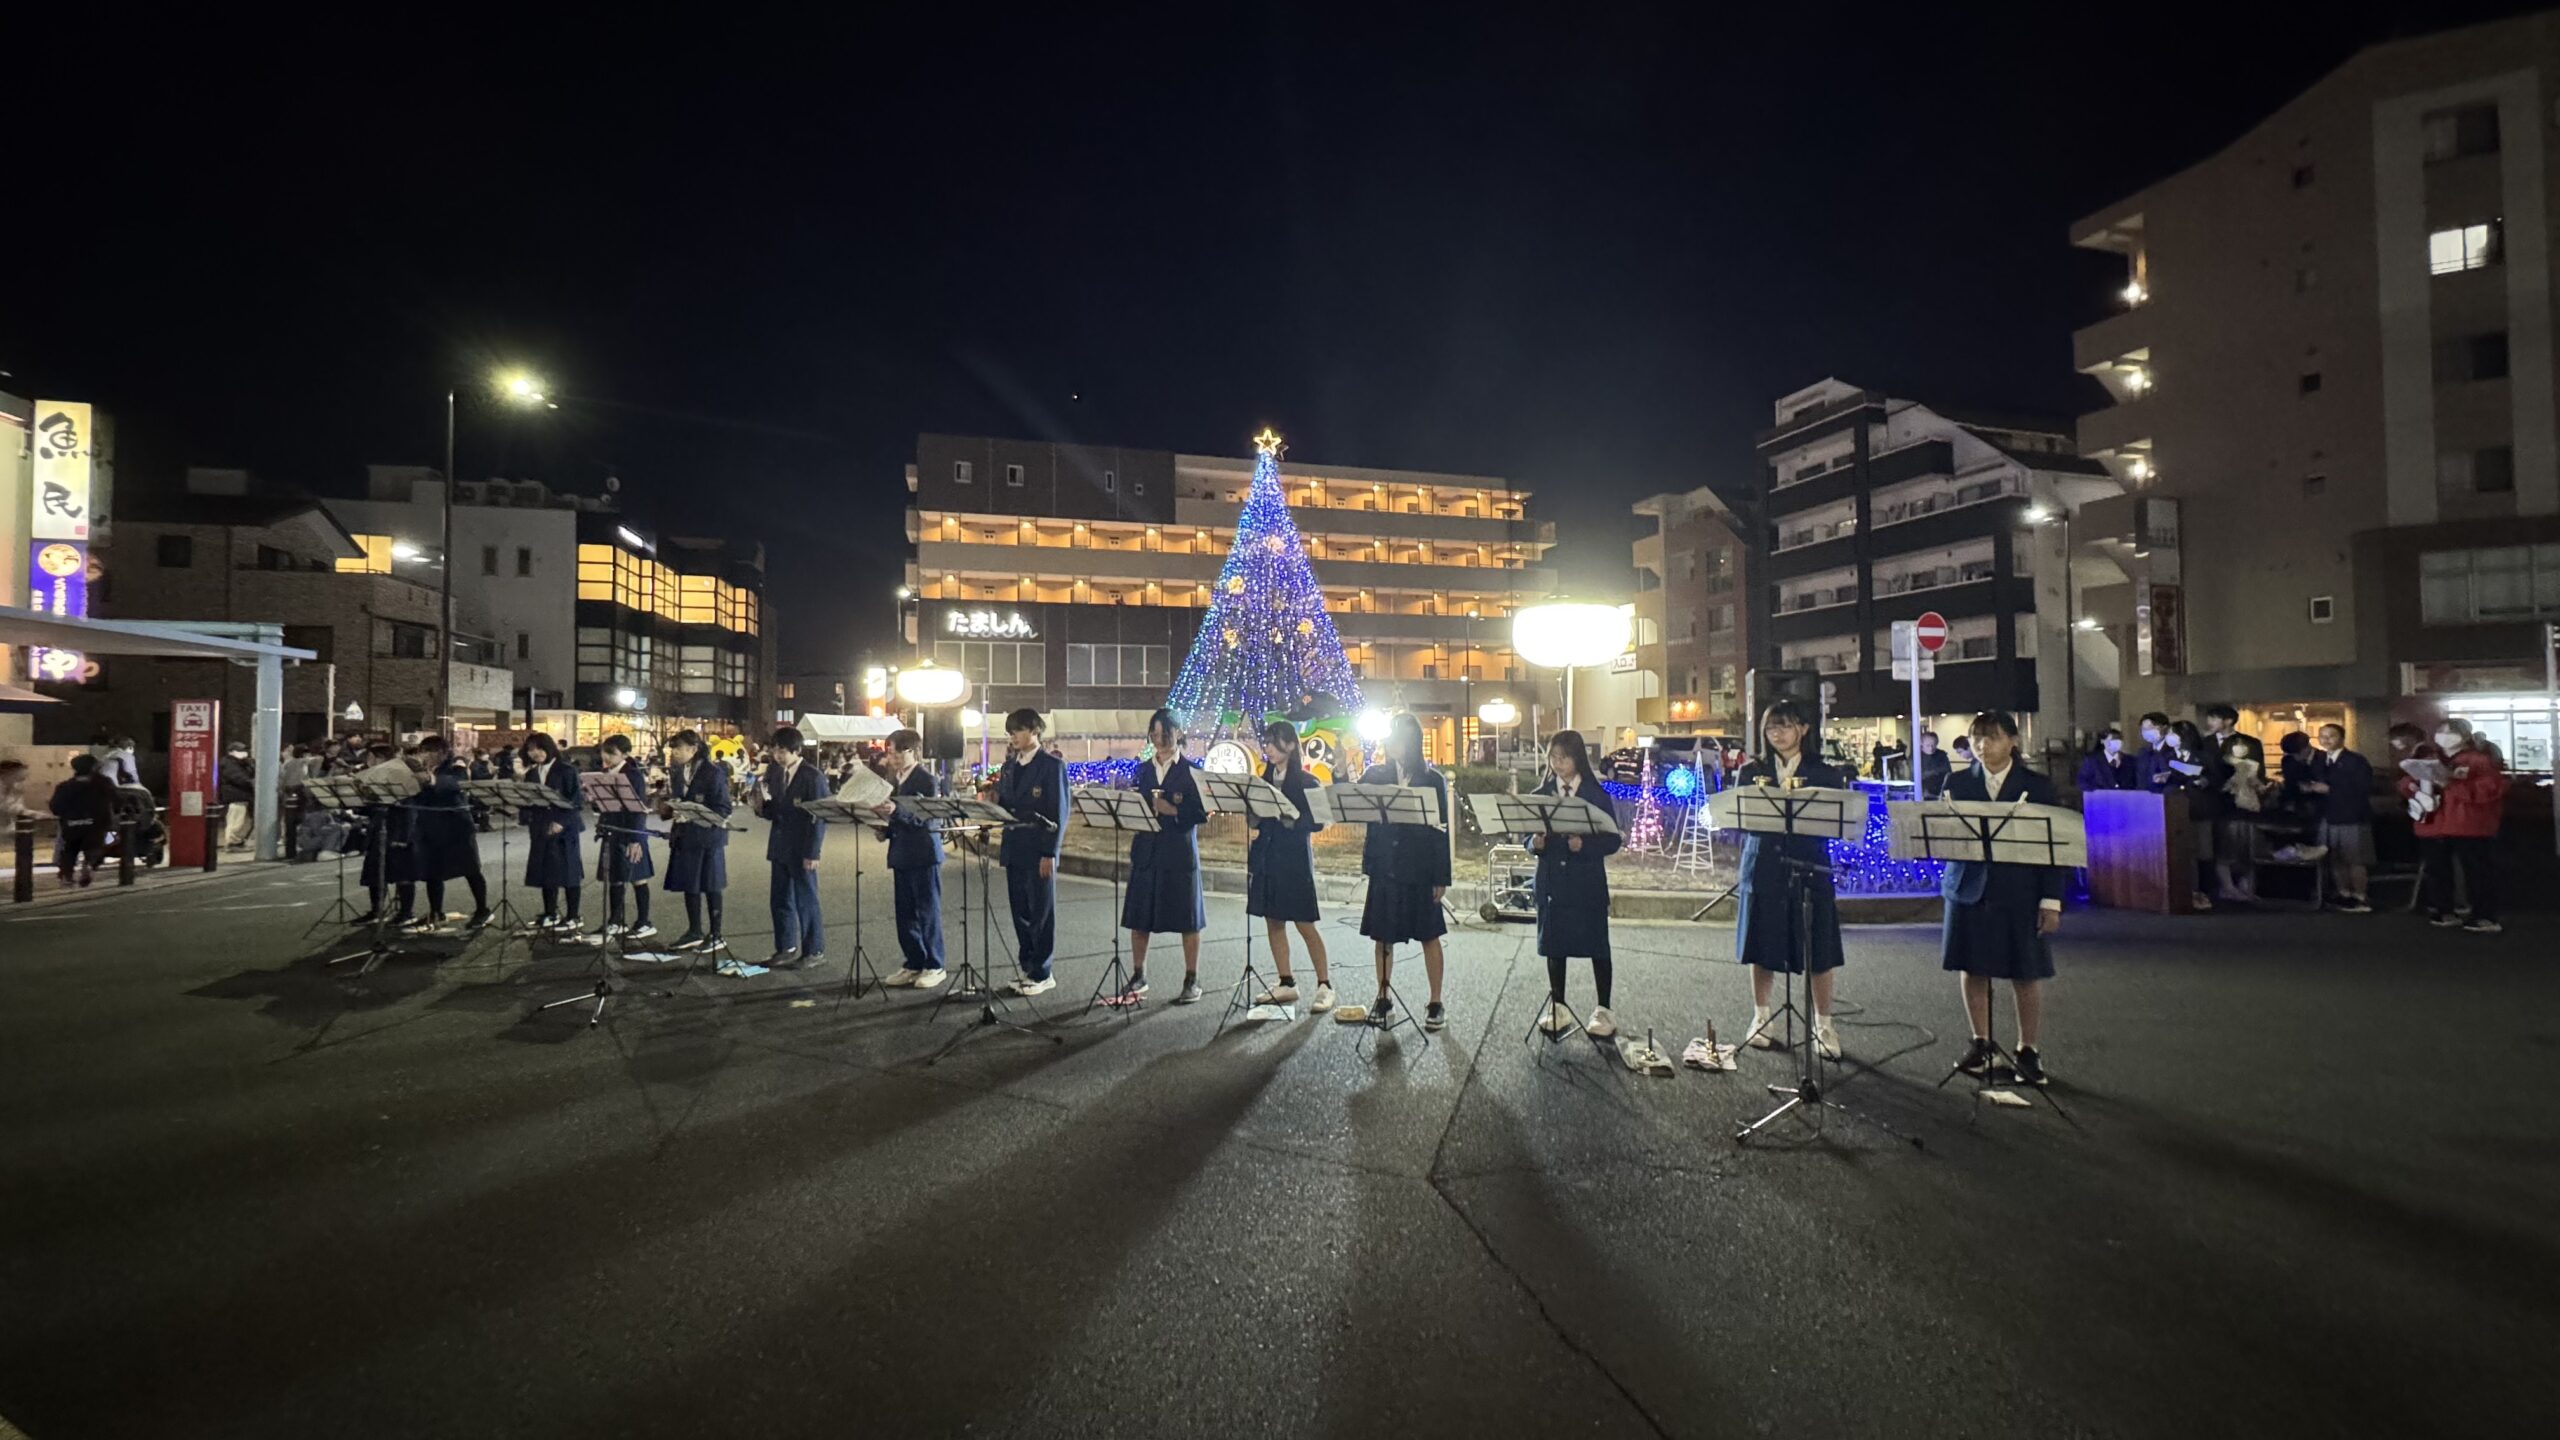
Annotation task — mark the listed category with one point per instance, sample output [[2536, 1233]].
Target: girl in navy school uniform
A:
[[1408, 870], [1764, 934], [622, 844], [443, 844], [551, 862], [1164, 867], [915, 864], [1280, 872], [697, 855], [1573, 888], [1999, 914]]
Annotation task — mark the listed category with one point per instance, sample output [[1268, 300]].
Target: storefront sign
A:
[[66, 448], [195, 732], [989, 625], [58, 582]]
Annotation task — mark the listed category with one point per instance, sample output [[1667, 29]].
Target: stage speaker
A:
[[944, 736]]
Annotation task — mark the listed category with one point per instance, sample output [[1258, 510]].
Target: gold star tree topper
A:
[[1268, 442]]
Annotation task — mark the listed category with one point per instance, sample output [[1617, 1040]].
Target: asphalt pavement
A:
[[2297, 1176]]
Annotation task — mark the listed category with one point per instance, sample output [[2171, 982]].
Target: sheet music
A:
[[392, 775], [1247, 795], [1356, 804], [2427, 772], [863, 787], [2020, 834], [1531, 814], [1814, 812]]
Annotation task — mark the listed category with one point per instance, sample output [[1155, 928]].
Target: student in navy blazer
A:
[[551, 862], [1280, 871], [1164, 865], [1998, 914], [1765, 924], [1573, 888], [792, 847], [1408, 870], [622, 842], [915, 863], [697, 855], [1032, 788]]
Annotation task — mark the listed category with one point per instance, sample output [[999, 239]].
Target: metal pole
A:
[[2070, 645], [2551, 737], [266, 741], [444, 603], [1913, 748]]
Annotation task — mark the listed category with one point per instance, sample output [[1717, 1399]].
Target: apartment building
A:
[[1692, 615], [1073, 577], [2331, 368], [1877, 509]]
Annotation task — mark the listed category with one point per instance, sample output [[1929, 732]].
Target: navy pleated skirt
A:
[[1398, 912]]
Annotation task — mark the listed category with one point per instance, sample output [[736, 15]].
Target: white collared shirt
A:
[[1992, 779], [1784, 766], [1164, 767]]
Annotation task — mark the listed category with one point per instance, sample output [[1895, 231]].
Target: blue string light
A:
[[1859, 867], [1266, 640]]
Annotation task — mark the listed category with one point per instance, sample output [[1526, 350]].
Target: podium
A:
[[1104, 808], [2142, 850], [1256, 800]]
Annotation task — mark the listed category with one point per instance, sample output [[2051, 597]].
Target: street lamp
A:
[[1497, 713], [518, 388], [1564, 634], [2075, 621], [926, 686]]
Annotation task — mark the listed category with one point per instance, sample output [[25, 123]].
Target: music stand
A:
[[1551, 816], [838, 810], [1813, 813], [1104, 808], [951, 813], [381, 793], [609, 792], [340, 793], [1257, 800], [507, 800], [1989, 832], [1348, 803]]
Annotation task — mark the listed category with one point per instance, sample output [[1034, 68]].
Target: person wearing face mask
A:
[[2460, 830], [1999, 915], [2107, 767], [2342, 783], [2151, 763]]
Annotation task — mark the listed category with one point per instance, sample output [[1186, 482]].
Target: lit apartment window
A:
[[2467, 247]]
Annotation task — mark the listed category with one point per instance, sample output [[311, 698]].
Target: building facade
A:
[[1692, 615], [607, 626], [1878, 509], [217, 551], [2332, 377], [1072, 578]]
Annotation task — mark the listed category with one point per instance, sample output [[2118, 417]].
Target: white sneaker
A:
[[1556, 1021], [1601, 1025], [931, 979], [1323, 1000], [1826, 1039], [1760, 1038], [1278, 995], [900, 978], [1028, 986]]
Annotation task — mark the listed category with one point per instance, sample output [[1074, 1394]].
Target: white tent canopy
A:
[[259, 645], [841, 728]]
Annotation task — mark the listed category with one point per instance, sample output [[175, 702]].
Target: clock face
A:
[[59, 560], [1227, 758]]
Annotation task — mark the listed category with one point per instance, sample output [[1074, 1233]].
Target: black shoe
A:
[[2030, 1066], [713, 944], [1434, 1016], [1977, 1057], [811, 957], [687, 941], [370, 917], [783, 959], [1383, 1013], [479, 919]]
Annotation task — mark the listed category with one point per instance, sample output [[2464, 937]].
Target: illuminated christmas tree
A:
[[1266, 643], [1644, 829]]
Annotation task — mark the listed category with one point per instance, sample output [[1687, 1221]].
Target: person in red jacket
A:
[[2457, 825]]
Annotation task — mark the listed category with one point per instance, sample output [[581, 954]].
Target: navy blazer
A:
[[2098, 773], [1171, 848], [1030, 791], [1573, 885], [2349, 777], [707, 785], [630, 826], [562, 780], [914, 844], [1408, 854], [796, 834], [1762, 853], [1970, 882]]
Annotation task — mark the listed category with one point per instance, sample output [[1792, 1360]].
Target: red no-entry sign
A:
[[1929, 632]]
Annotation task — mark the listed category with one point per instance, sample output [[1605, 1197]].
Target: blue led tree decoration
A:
[[1266, 640]]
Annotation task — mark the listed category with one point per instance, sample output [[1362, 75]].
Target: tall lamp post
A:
[[516, 388], [1565, 634], [927, 686], [1497, 713], [2073, 624]]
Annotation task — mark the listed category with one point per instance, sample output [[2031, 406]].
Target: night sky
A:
[[756, 261]]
